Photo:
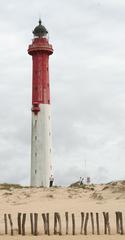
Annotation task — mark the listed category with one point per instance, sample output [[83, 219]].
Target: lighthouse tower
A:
[[41, 142]]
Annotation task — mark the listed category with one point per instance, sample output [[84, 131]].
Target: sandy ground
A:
[[78, 237], [99, 198]]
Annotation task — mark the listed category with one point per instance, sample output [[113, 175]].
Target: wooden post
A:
[[19, 223], [73, 224], [108, 223], [48, 230], [121, 223], [45, 223], [35, 223], [105, 223], [97, 223], [92, 222], [117, 223], [86, 222], [23, 223], [82, 222], [31, 221], [59, 221], [11, 223], [67, 222], [5, 220], [57, 218], [55, 223]]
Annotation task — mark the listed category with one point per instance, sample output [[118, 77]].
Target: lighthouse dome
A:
[[40, 30]]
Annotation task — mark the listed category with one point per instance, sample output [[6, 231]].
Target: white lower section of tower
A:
[[41, 147]]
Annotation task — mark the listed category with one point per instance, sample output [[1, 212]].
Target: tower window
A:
[[35, 137], [35, 171], [50, 150], [35, 154]]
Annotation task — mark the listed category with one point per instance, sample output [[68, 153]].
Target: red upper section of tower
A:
[[40, 49]]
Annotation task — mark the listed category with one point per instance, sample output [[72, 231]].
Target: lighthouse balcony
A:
[[35, 108]]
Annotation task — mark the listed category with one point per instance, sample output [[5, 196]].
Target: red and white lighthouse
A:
[[41, 142]]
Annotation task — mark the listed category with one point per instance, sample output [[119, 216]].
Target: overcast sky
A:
[[87, 78]]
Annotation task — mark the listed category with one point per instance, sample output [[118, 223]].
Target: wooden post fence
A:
[[89, 223]]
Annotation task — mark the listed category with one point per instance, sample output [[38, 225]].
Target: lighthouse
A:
[[41, 137]]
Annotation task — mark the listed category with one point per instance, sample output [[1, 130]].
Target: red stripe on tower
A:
[[40, 50]]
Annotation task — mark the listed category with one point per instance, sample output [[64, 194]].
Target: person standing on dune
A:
[[51, 179]]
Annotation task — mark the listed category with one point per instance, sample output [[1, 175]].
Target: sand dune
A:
[[94, 198]]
